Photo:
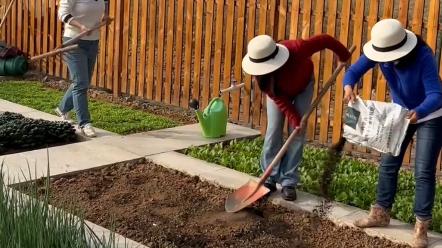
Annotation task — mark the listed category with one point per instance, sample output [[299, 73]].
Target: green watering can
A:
[[213, 120]]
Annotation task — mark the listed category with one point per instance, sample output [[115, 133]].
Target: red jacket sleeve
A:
[[286, 107], [320, 42]]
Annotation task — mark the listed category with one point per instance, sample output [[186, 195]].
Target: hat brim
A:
[[257, 69], [393, 55]]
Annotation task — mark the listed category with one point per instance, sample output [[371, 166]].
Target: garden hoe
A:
[[252, 191]]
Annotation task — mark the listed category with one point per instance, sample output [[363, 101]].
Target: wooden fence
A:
[[175, 50]]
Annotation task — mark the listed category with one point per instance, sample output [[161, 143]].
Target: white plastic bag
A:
[[376, 125]]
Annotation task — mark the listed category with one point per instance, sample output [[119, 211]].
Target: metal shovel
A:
[[252, 191]]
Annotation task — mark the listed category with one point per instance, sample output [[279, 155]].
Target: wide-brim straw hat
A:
[[264, 56], [389, 41]]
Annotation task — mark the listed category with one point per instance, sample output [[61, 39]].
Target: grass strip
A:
[[354, 181], [108, 116]]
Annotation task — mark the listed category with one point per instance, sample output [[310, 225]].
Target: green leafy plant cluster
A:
[[354, 181], [27, 222], [111, 117], [18, 132]]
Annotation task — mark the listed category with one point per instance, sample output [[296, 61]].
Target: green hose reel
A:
[[16, 66]]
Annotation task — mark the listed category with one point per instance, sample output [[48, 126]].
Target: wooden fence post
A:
[[116, 11], [276, 18]]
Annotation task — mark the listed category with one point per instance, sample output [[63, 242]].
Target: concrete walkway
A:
[[161, 146]]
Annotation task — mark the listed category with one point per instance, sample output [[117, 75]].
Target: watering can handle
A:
[[303, 123]]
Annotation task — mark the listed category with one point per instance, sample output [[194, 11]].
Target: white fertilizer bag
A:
[[376, 125]]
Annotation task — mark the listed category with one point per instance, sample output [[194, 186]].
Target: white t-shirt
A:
[[87, 12]]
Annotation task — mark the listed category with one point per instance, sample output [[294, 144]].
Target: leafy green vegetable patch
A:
[[354, 181], [107, 116]]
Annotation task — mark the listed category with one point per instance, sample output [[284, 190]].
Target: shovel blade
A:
[[242, 197]]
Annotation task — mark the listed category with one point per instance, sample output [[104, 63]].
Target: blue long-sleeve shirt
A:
[[416, 87]]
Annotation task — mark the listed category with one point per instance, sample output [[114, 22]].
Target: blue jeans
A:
[[80, 63], [428, 145], [286, 171]]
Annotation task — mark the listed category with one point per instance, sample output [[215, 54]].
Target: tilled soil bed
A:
[[159, 207]]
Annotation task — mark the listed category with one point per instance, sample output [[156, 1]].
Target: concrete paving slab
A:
[[82, 156], [184, 163], [13, 107], [170, 139], [309, 202], [19, 168], [120, 241], [191, 134], [397, 231], [436, 245]]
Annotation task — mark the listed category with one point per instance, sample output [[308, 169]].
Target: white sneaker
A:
[[64, 117], [88, 130]]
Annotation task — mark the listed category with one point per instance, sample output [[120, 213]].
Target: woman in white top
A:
[[79, 16]]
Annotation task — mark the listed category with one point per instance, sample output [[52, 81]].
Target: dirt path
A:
[[163, 208]]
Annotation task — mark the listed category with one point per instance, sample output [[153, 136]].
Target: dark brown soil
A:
[[162, 208]]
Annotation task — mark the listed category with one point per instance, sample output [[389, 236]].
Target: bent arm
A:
[[65, 13], [286, 107], [320, 42], [433, 88], [354, 73]]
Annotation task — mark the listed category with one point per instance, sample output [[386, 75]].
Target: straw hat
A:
[[389, 41], [264, 56]]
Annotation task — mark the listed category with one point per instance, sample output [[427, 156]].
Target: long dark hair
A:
[[268, 82], [408, 59]]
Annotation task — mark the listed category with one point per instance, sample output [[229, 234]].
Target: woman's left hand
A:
[[107, 19], [412, 116]]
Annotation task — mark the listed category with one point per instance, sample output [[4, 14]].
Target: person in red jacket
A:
[[284, 72]]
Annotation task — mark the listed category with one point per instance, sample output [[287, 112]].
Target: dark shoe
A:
[[288, 193], [271, 187]]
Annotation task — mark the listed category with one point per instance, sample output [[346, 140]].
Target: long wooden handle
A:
[[303, 122], [55, 52], [81, 35], [6, 13]]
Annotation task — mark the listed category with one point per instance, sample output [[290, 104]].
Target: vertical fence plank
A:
[[294, 18], [219, 34], [188, 52], [169, 52], [58, 40], [305, 33], [3, 29], [160, 51], [357, 41], [251, 18], [13, 18], [52, 27], [32, 28], [259, 108], [207, 82], [19, 24], [39, 33], [151, 49], [198, 39], [134, 48], [228, 50], [328, 68], [178, 52], [8, 24], [240, 29], [102, 55], [117, 70], [124, 59], [143, 46], [282, 11], [111, 46], [46, 36], [344, 33], [25, 25]]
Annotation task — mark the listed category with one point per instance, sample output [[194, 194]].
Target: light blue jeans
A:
[[286, 171], [80, 63]]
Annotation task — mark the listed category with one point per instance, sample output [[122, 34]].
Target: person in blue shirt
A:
[[410, 69]]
